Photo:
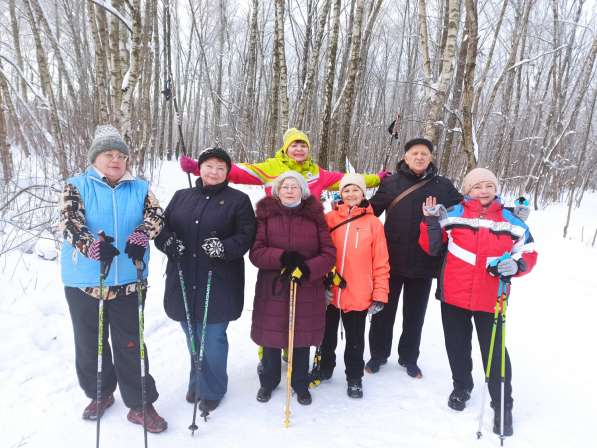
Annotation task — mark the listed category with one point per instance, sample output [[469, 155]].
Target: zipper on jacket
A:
[[356, 244], [115, 218]]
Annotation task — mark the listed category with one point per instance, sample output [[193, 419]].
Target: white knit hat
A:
[[353, 179], [477, 175], [305, 193], [107, 138]]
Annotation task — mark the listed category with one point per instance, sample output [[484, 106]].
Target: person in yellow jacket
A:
[[295, 155], [362, 262]]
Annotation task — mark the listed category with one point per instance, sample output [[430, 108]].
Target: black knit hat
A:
[[418, 141], [216, 152]]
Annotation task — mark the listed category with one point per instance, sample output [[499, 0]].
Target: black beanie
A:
[[418, 141], [216, 152]]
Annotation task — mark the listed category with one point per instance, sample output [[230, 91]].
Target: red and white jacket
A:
[[471, 236]]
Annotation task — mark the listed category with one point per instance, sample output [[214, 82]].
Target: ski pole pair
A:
[[501, 306]]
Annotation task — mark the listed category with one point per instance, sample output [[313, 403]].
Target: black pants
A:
[[272, 369], [354, 327], [458, 332], [416, 296], [120, 318]]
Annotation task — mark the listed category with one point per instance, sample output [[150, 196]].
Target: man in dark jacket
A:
[[410, 267], [208, 229]]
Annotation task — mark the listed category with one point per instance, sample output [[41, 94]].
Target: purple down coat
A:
[[301, 229]]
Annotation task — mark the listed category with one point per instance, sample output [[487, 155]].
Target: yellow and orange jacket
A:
[[361, 258]]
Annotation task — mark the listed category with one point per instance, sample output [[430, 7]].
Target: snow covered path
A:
[[551, 320]]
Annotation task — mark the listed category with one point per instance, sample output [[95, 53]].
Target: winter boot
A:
[[264, 394], [191, 397], [208, 405], [458, 398], [412, 369], [355, 388], [374, 364], [91, 411], [304, 398], [508, 429], [153, 422]]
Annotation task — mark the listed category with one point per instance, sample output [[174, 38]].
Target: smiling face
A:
[[289, 192], [484, 192], [352, 195], [418, 158], [213, 171], [111, 164], [298, 151]]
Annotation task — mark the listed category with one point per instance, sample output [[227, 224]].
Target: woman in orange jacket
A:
[[363, 265]]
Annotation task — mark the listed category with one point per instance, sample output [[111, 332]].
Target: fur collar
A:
[[309, 208]]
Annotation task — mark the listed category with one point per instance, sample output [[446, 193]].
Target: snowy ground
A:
[[550, 337]]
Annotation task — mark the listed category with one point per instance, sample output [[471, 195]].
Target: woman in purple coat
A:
[[291, 233]]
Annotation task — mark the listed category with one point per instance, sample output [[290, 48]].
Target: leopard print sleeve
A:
[[72, 219], [153, 216]]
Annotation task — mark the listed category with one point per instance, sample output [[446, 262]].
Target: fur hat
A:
[[353, 179], [217, 153], [477, 175], [107, 138], [418, 141], [305, 193]]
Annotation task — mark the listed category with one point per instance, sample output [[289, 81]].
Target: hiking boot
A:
[[374, 364], [91, 411], [458, 398], [264, 394], [508, 429], [304, 398], [208, 405], [153, 422], [355, 389], [412, 369]]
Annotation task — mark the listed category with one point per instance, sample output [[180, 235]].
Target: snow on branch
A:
[[526, 61], [114, 12]]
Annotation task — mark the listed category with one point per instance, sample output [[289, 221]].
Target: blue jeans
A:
[[211, 379]]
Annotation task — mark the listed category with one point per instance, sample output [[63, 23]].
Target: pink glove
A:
[[189, 165], [383, 174]]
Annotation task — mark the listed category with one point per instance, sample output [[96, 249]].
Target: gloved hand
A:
[[383, 174], [103, 250], [522, 211], [505, 268], [173, 248], [290, 259], [136, 244], [188, 164], [375, 307], [213, 247], [329, 296]]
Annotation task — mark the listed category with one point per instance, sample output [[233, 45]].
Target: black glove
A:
[[136, 244], [103, 250], [290, 260], [213, 247], [173, 248]]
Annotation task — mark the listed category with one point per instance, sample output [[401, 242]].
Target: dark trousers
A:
[[121, 321], [416, 296], [458, 332], [354, 327], [272, 369]]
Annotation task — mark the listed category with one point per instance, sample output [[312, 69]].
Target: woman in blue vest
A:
[[207, 231], [107, 197]]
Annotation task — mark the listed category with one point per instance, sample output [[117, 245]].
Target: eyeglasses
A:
[[289, 187], [118, 156]]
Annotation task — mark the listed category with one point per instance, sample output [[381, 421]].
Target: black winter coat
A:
[[402, 225], [195, 214]]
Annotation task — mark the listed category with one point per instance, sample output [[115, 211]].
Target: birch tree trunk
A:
[[14, 24], [280, 48], [133, 72], [468, 135], [5, 154]]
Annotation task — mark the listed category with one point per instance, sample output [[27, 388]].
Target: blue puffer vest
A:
[[116, 211]]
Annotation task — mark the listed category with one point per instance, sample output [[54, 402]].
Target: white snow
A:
[[551, 337]]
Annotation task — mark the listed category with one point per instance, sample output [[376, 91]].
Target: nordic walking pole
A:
[[204, 412], [140, 265], [296, 275], [104, 269], [506, 282]]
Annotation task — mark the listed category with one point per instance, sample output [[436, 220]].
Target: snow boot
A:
[[208, 405], [508, 429], [374, 364], [154, 423], [458, 398], [412, 369], [304, 398], [264, 394], [91, 411], [355, 388]]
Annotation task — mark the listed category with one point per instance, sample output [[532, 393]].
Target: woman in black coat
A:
[[410, 267], [207, 231]]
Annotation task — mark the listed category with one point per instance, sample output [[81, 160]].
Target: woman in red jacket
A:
[[291, 233], [476, 233], [362, 261]]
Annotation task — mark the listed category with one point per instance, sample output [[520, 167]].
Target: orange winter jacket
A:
[[361, 258]]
